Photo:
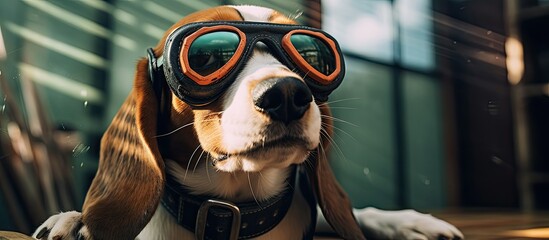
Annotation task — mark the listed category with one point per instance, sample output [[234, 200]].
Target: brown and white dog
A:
[[136, 159]]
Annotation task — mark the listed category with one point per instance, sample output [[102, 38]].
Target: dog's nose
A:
[[283, 99]]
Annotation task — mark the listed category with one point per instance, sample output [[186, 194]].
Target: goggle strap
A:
[[156, 75]]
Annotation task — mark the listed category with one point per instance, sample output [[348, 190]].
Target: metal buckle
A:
[[200, 228]]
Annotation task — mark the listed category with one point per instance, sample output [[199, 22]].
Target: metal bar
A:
[[398, 114]]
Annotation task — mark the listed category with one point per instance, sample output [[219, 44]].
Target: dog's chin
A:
[[256, 160]]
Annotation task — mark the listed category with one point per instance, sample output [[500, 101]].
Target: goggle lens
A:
[[315, 52], [211, 51]]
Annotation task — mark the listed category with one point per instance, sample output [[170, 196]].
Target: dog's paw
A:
[[404, 224], [63, 226]]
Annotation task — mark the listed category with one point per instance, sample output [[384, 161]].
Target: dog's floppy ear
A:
[[129, 182], [333, 201]]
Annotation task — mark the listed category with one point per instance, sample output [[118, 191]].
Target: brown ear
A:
[[333, 201], [129, 182]]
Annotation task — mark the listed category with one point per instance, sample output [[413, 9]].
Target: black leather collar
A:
[[211, 218]]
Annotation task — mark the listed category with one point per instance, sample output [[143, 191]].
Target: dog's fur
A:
[[123, 201]]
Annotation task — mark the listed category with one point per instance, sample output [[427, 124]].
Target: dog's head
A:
[[266, 116], [261, 114]]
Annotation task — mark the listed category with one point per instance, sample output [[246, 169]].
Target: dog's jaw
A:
[[231, 186]]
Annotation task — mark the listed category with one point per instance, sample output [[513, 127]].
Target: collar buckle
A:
[[200, 228]]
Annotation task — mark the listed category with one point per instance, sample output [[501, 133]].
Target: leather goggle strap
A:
[[156, 75], [157, 79]]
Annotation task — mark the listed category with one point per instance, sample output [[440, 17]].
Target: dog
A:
[[238, 152]]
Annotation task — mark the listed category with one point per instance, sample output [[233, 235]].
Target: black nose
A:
[[283, 99]]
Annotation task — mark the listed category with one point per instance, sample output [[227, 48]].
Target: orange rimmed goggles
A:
[[201, 60]]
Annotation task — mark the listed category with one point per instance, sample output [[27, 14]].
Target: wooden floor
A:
[[485, 225], [500, 225], [495, 224]]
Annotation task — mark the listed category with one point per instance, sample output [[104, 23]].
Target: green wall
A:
[[424, 142], [364, 156]]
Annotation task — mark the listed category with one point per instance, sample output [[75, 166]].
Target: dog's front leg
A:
[[66, 226], [402, 224]]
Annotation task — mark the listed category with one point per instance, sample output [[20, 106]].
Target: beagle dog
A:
[[224, 136]]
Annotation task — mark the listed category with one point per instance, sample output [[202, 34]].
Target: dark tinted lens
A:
[[209, 52], [315, 52]]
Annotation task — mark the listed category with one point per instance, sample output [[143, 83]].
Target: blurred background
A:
[[445, 104]]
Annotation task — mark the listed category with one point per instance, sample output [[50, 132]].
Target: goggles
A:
[[201, 60]]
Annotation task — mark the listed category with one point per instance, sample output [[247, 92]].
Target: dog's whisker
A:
[[182, 127], [207, 166], [339, 151], [211, 136], [330, 138], [198, 160], [325, 133], [252, 190], [174, 131], [305, 74], [220, 157], [338, 100], [309, 163], [337, 120], [299, 72], [298, 13], [215, 113], [259, 179], [189, 162], [263, 177], [340, 108], [289, 184], [340, 130], [322, 151]]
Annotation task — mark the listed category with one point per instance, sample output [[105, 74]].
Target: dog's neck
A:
[[232, 186]]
